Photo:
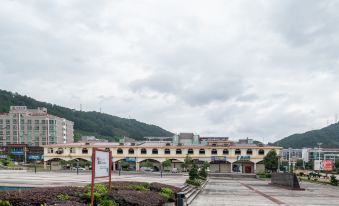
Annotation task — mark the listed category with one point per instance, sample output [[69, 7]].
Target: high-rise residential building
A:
[[34, 127]]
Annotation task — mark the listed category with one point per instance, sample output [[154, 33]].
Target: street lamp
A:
[[319, 144]]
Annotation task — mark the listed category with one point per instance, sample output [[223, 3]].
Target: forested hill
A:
[[328, 136], [87, 123]]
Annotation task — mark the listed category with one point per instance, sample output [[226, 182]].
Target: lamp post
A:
[[319, 144], [289, 159]]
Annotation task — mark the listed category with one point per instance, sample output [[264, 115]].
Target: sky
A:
[[236, 68]]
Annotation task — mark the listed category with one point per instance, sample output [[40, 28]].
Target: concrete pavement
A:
[[253, 192], [53, 179]]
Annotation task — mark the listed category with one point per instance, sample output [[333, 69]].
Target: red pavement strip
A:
[[265, 195]]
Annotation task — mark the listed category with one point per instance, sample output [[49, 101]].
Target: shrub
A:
[[138, 188], [203, 173], [195, 182], [166, 192], [63, 197], [158, 186], [137, 198], [334, 180], [99, 188], [4, 203], [107, 202]]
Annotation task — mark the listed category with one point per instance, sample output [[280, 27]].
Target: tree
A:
[[166, 163], [336, 164], [203, 170], [147, 163], [188, 161], [193, 173], [271, 161], [299, 164]]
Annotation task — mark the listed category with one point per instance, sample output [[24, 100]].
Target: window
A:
[[178, 151], [50, 150], [202, 151], [120, 151], [36, 121], [214, 152], [143, 151], [131, 151], [238, 152], [154, 151], [190, 151], [214, 145], [261, 152], [249, 152], [167, 151], [60, 151], [84, 151], [107, 149], [225, 152]]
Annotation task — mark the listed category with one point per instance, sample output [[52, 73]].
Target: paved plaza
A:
[[53, 179], [257, 192]]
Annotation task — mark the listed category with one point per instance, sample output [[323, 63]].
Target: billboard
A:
[[218, 158], [327, 165], [101, 164]]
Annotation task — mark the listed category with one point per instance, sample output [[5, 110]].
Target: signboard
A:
[[101, 164], [318, 165], [34, 157], [101, 168], [243, 158], [3, 156], [218, 158], [130, 159], [327, 165], [17, 153]]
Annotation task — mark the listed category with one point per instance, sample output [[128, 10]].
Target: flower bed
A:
[[122, 193]]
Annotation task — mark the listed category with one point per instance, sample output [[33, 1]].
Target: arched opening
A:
[[167, 151], [225, 152], [143, 151], [84, 151], [261, 152], [127, 164], [150, 165], [130, 151], [154, 151], [190, 151], [120, 151], [201, 151], [249, 152], [237, 152], [214, 152], [178, 151]]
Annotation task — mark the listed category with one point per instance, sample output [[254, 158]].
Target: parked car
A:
[[146, 169], [175, 170], [80, 168]]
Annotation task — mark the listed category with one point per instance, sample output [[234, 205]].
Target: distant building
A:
[[34, 127], [92, 139], [186, 139]]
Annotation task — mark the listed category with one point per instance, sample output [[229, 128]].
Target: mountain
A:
[[101, 125], [328, 136]]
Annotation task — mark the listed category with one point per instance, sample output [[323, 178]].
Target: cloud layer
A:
[[261, 69]]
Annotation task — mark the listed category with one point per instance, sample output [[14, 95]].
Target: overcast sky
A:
[[260, 69]]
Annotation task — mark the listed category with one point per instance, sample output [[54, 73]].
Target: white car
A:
[[80, 168], [146, 169]]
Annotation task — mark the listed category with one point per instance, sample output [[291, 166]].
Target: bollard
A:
[[35, 167], [180, 196]]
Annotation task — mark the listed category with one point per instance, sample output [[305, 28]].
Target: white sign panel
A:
[[101, 164], [318, 165]]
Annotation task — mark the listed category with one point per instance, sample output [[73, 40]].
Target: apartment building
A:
[[34, 127]]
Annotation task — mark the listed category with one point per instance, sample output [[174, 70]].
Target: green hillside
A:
[[328, 136], [87, 123]]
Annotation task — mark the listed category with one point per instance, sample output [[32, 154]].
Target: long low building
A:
[[223, 156]]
